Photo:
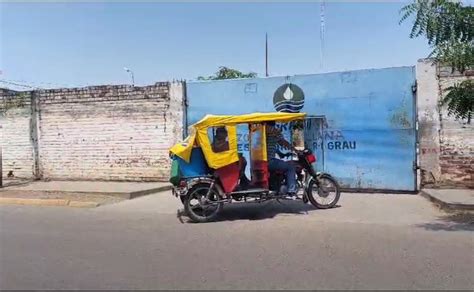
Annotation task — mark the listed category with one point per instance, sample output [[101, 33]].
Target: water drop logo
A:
[[288, 98]]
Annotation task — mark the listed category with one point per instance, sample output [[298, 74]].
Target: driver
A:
[[275, 138]]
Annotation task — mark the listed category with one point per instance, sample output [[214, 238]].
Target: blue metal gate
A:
[[366, 134]]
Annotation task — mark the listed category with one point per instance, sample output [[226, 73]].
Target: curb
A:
[[123, 195], [447, 206], [48, 202], [75, 204], [150, 191], [80, 204]]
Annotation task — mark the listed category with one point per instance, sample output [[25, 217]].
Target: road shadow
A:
[[451, 222], [259, 211]]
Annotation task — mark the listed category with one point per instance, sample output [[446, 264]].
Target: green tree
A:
[[449, 28], [460, 100], [228, 73]]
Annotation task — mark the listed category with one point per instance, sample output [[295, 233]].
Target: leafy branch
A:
[[228, 73], [448, 27], [460, 100]]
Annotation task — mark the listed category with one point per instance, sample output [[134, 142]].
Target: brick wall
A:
[[456, 139], [15, 138], [98, 132]]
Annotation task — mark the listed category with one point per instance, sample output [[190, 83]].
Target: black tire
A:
[[194, 209], [323, 191]]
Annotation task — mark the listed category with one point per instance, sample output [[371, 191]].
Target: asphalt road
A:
[[371, 241]]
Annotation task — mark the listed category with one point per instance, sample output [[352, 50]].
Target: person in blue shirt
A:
[[275, 138]]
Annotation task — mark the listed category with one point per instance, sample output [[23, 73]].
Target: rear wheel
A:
[[200, 207], [323, 193]]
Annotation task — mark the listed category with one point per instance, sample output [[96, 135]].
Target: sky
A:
[[52, 45]]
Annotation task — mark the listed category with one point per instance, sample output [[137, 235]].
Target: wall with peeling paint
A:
[[15, 134], [428, 121], [99, 132], [446, 150], [456, 138], [369, 141]]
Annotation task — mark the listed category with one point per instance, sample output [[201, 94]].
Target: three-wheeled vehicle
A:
[[208, 170]]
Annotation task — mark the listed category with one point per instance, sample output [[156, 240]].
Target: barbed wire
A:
[[19, 84], [37, 83], [41, 85]]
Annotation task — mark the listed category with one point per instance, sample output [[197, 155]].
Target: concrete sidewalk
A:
[[77, 193], [451, 199], [126, 190]]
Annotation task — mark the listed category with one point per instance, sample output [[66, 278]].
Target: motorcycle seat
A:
[[277, 172]]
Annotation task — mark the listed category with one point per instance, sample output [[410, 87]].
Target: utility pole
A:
[[266, 54], [321, 35]]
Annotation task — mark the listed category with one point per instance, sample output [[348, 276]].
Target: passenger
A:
[[275, 138], [220, 143]]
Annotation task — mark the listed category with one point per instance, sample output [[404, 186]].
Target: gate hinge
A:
[[414, 87], [415, 166]]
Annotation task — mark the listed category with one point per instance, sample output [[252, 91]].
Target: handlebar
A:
[[290, 153], [284, 155]]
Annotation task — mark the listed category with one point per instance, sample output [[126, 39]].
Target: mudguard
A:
[[324, 174], [319, 175], [194, 181]]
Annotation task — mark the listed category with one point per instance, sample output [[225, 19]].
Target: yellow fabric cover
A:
[[184, 149], [218, 160], [212, 120]]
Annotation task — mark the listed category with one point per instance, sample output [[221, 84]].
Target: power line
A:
[[38, 85], [18, 84], [41, 83]]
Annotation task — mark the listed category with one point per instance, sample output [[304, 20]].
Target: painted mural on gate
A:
[[360, 123]]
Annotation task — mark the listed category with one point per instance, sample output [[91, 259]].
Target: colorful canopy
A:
[[198, 133], [212, 120]]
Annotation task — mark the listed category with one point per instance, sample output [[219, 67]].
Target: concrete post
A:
[[428, 120], [35, 134]]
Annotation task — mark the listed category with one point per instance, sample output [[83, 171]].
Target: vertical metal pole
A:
[[416, 162], [1, 170], [321, 35], [266, 54], [185, 110]]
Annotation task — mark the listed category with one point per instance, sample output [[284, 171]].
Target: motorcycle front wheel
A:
[[323, 192]]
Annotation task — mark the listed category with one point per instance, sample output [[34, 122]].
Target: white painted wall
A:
[[93, 133], [110, 134], [15, 141]]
